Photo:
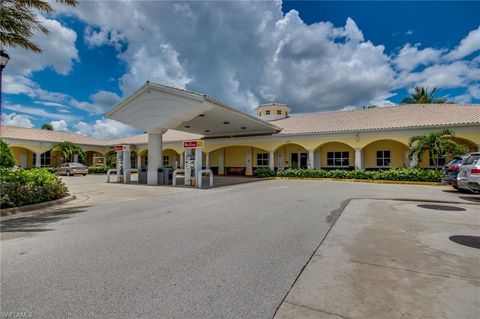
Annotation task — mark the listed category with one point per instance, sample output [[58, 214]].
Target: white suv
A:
[[468, 177]]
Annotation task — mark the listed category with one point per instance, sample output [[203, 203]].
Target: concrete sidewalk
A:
[[391, 259]]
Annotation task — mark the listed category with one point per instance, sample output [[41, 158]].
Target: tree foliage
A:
[[6, 157], [19, 19], [437, 144], [68, 150], [47, 126], [421, 95]]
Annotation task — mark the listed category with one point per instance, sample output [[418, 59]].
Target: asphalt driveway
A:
[[221, 253]]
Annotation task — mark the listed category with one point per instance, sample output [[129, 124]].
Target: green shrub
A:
[[24, 187], [98, 169], [6, 156], [402, 174], [264, 172]]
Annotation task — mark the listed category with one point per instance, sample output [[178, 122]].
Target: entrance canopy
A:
[[157, 108]]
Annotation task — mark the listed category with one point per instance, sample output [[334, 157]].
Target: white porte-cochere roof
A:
[[157, 108]]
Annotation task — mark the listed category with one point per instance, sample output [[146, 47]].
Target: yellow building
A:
[[239, 143]]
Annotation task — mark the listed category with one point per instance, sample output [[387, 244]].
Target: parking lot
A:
[[127, 251]]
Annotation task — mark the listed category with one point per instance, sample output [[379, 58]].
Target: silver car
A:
[[468, 177], [72, 169]]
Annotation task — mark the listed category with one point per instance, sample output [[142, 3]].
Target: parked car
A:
[[450, 171], [469, 173], [72, 169]]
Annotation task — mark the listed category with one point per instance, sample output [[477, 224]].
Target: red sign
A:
[[193, 144], [118, 147]]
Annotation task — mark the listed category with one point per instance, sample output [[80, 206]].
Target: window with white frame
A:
[[279, 112], [338, 159], [441, 161], [267, 112], [165, 160], [262, 159], [383, 158]]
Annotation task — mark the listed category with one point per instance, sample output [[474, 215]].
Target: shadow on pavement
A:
[[31, 224], [474, 199]]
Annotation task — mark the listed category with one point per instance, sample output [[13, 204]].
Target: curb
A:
[[26, 208], [372, 181]]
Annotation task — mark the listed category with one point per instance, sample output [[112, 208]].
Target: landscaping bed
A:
[[403, 174], [25, 187]]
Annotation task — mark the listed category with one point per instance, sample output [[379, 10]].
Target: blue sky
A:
[[315, 56]]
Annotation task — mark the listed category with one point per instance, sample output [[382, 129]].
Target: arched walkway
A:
[[334, 155], [24, 157], [237, 160], [385, 154], [93, 158], [291, 155]]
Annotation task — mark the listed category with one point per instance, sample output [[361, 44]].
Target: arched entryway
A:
[[384, 154], [334, 155], [291, 155], [237, 160], [24, 157]]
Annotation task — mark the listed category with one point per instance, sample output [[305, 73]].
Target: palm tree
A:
[[436, 144], [421, 95], [48, 127], [19, 21], [68, 150]]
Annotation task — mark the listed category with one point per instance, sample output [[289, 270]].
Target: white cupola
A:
[[272, 111]]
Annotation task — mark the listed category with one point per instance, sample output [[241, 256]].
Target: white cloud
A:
[[410, 57], [467, 46], [59, 125], [58, 51], [14, 119], [102, 101], [39, 112], [241, 52], [105, 129], [18, 84], [449, 75], [98, 37]]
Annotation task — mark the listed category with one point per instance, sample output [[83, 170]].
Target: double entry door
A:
[[298, 160]]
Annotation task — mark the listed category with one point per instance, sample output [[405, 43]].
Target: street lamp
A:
[[4, 58]]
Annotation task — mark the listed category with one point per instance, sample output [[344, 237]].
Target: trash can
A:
[[160, 177], [167, 176], [142, 175]]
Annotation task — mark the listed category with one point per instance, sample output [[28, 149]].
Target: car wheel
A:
[[68, 173]]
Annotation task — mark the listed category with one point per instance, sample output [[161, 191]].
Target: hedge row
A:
[[98, 169], [24, 187], [402, 174]]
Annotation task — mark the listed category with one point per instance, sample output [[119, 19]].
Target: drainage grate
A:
[[470, 241], [442, 207]]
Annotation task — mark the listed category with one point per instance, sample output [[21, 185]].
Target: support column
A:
[[311, 159], [271, 160], [182, 160], [139, 161], [38, 159], [154, 157], [198, 167], [75, 158], [317, 160], [248, 163], [207, 160], [119, 165], [414, 162], [358, 158], [221, 162]]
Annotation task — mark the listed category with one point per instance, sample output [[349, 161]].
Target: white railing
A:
[[205, 171], [109, 172], [128, 175], [174, 175]]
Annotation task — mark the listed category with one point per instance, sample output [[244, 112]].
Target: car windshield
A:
[[457, 160]]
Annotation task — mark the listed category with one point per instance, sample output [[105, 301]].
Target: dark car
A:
[[450, 171]]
